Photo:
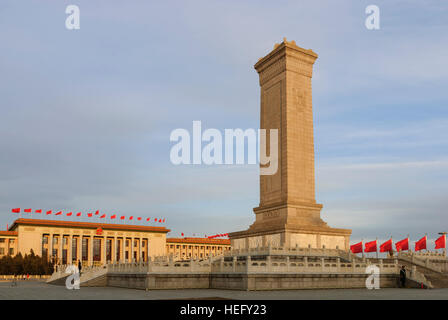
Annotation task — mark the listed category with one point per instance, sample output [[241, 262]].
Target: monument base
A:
[[290, 225]]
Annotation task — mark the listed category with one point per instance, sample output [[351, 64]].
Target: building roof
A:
[[8, 233], [86, 225], [199, 241]]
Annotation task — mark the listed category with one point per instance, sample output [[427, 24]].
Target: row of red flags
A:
[[401, 245], [219, 235], [89, 214], [211, 237]]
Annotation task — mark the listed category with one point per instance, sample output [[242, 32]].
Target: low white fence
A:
[[286, 266], [422, 261], [171, 267], [24, 277], [295, 251]]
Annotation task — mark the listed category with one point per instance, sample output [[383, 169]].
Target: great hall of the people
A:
[[98, 243]]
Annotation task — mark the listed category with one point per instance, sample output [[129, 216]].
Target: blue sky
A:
[[86, 115]]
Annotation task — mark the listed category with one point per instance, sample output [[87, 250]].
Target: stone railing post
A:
[[338, 264], [413, 272], [248, 263], [287, 264], [322, 261], [268, 263], [221, 264], [234, 264], [305, 262]]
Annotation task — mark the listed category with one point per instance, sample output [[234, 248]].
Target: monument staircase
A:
[[90, 276], [432, 266]]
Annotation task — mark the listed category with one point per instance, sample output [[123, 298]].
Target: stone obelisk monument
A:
[[288, 215]]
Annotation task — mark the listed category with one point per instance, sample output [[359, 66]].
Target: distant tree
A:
[[29, 264]]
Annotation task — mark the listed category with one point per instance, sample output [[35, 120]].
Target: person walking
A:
[[79, 266], [403, 276], [14, 281]]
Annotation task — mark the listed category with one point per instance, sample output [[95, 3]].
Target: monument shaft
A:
[[288, 214]]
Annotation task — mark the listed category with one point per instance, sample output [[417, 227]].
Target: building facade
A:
[[8, 243], [196, 248], [66, 242], [91, 243]]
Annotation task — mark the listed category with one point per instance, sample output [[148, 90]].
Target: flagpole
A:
[[445, 244], [392, 247], [426, 242], [409, 246], [362, 248], [376, 246]]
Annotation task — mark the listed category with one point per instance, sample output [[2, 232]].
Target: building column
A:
[[140, 246], [69, 250], [50, 246], [147, 249], [104, 250], [61, 246], [131, 247], [79, 247], [114, 250], [90, 251], [122, 250]]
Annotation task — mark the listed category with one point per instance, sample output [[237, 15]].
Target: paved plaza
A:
[[41, 290]]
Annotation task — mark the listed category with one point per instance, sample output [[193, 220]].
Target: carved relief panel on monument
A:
[[273, 240], [256, 242]]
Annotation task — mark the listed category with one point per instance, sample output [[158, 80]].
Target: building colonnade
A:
[[94, 249]]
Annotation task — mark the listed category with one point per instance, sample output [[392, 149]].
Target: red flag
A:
[[27, 210], [113, 217], [16, 210], [131, 217], [78, 214], [356, 248], [370, 246], [90, 214], [402, 245], [122, 217], [97, 212], [182, 234], [103, 216], [441, 242], [69, 214], [147, 219], [48, 212], [58, 213], [39, 211], [163, 220], [386, 246], [420, 244], [139, 218]]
